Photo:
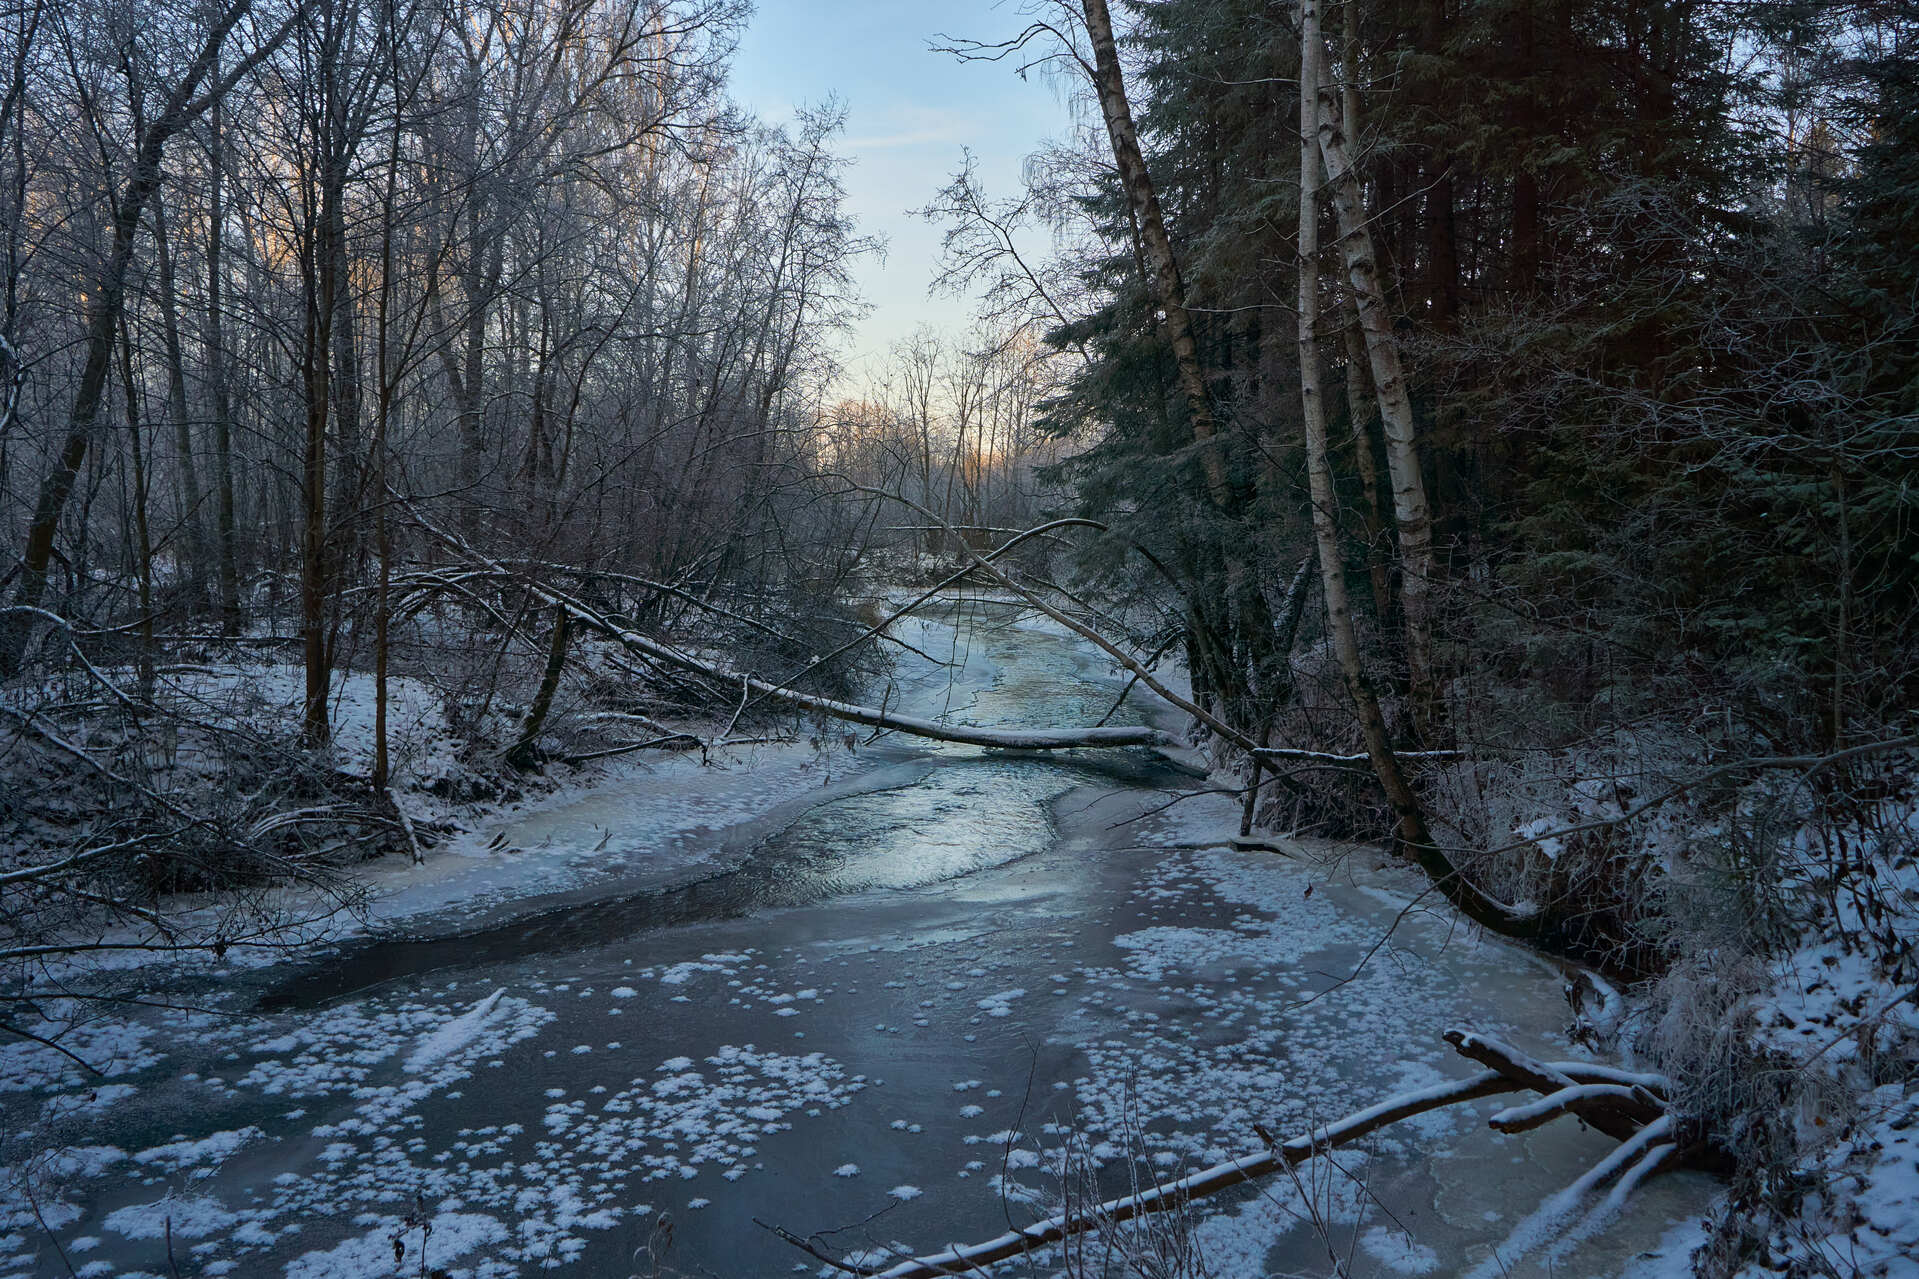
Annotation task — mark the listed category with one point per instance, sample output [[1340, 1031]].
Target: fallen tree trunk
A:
[[1359, 760], [951, 579], [1030, 739], [1615, 1105]]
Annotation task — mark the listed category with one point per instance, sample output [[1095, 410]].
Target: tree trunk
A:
[[313, 536], [1411, 511], [324, 286], [1415, 839], [1360, 406], [349, 450], [142, 530], [1332, 569], [226, 536], [1110, 83], [525, 752], [193, 552], [382, 412]]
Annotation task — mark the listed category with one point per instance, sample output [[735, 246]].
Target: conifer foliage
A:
[[1636, 464]]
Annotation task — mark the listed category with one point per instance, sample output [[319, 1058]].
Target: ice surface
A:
[[188, 1217], [396, 1245]]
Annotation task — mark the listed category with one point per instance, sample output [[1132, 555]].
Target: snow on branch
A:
[[871, 716], [967, 1259], [1535, 1114], [1359, 760], [1623, 1106]]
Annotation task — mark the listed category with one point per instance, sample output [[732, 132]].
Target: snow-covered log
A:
[[1355, 760], [968, 1259], [1603, 1111], [1028, 739], [1595, 1072], [1618, 1102], [1535, 1114]]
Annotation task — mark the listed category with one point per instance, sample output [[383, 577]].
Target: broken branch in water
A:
[[1621, 1103]]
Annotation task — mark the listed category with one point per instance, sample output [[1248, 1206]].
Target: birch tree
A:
[[1109, 83], [1412, 512]]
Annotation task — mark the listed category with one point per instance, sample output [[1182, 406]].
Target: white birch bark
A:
[[1416, 840], [1412, 513], [1155, 245], [1332, 569]]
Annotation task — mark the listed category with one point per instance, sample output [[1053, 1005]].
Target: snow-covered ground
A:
[[1839, 1013]]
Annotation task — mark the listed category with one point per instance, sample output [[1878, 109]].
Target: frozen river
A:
[[903, 1008]]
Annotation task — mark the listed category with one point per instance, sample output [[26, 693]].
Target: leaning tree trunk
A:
[[525, 753], [1157, 248], [1415, 838], [1332, 570], [1411, 510]]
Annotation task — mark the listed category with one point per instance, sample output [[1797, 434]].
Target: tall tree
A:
[[193, 91], [1412, 512], [1109, 83]]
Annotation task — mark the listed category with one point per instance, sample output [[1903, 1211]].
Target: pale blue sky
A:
[[910, 113]]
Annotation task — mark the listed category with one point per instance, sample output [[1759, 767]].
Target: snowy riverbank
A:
[[804, 982]]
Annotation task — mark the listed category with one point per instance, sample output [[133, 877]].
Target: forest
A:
[[1457, 453]]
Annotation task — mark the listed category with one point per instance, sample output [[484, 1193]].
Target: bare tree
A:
[[193, 91]]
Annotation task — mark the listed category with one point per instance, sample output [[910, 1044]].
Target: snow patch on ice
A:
[[395, 1245], [454, 1035], [189, 1216], [1000, 1005], [213, 1149], [1396, 1250]]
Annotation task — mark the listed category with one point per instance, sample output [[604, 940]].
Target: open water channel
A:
[[903, 1010]]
